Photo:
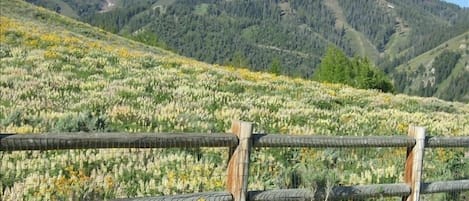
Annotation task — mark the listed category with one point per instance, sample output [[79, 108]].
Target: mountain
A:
[[61, 75], [442, 72], [294, 33]]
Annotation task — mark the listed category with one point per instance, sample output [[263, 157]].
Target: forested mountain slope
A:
[[442, 72], [254, 33], [60, 75], [292, 34]]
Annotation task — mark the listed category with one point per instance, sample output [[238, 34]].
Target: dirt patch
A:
[[108, 5]]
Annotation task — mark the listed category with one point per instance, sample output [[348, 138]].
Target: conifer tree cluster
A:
[[357, 72]]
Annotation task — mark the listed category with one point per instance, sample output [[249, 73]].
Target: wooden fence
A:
[[240, 143]]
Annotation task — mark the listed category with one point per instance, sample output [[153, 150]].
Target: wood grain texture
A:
[[462, 141], [209, 196], [445, 186], [232, 185], [277, 140], [357, 192], [414, 163], [51, 141], [238, 166], [335, 193]]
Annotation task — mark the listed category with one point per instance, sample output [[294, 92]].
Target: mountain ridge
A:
[[461, 3], [388, 8]]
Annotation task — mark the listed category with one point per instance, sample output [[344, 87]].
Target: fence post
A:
[[414, 163], [238, 165]]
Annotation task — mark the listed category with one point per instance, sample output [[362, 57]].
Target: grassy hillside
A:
[[421, 70], [361, 45], [389, 32], [57, 74], [458, 43]]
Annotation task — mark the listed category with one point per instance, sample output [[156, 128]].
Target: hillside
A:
[[257, 34], [442, 72], [57, 74], [386, 31]]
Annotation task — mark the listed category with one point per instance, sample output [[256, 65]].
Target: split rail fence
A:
[[240, 142]]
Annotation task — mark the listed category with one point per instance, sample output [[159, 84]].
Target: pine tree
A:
[[333, 66], [276, 66], [359, 72]]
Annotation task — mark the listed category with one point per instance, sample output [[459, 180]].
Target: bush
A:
[[14, 118], [4, 51], [83, 122]]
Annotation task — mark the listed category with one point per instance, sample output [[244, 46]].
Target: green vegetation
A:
[[444, 63], [213, 31], [377, 24], [71, 8], [359, 72], [441, 68], [457, 89], [438, 72], [58, 6], [57, 74], [295, 33], [335, 67], [275, 67]]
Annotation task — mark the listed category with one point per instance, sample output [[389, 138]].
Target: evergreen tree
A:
[[444, 64], [239, 60], [333, 66], [359, 72], [367, 76], [276, 66]]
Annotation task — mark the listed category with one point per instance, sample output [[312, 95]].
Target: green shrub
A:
[[82, 122], [4, 51], [14, 118]]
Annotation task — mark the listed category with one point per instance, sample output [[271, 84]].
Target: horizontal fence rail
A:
[[277, 140], [52, 141], [335, 193], [208, 196], [445, 186], [361, 191], [447, 141]]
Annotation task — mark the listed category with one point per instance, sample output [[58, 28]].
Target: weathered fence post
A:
[[238, 166], [414, 163]]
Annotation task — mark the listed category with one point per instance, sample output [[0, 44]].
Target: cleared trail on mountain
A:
[[364, 46]]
